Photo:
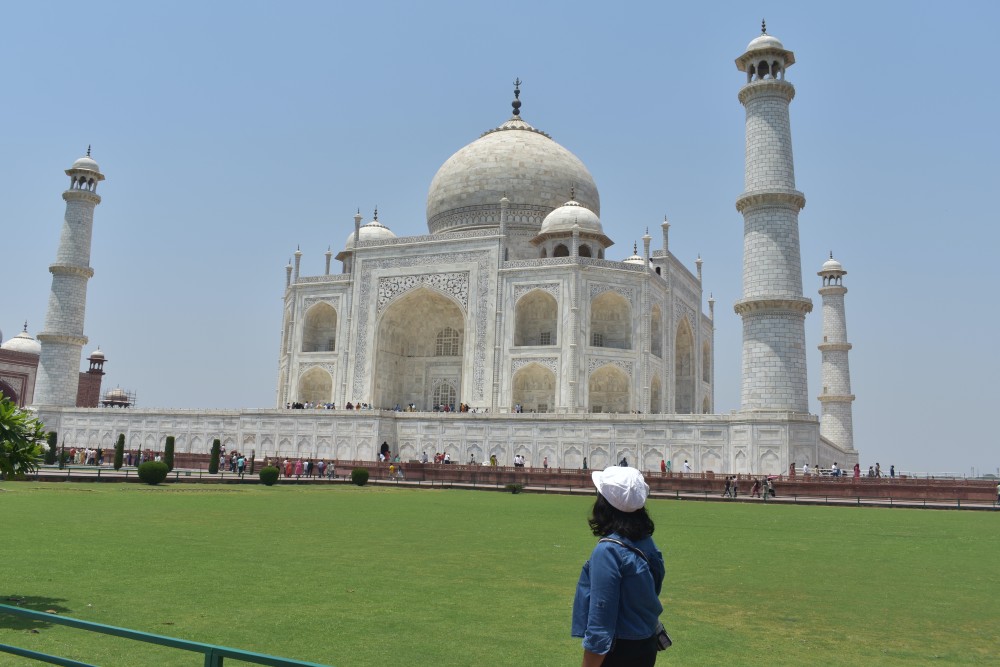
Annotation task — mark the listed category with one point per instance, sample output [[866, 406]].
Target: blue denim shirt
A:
[[618, 594]]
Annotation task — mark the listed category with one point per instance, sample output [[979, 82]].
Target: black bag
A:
[[662, 638]]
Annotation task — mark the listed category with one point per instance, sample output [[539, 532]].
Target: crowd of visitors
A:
[[361, 405]]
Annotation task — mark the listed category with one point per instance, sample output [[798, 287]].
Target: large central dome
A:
[[536, 174]]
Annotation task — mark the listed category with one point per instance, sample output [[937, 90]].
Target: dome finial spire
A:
[[376, 214], [763, 27], [26, 326], [88, 150], [572, 192], [517, 94]]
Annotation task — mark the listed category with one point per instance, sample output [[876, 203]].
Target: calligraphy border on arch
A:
[[482, 260], [455, 284]]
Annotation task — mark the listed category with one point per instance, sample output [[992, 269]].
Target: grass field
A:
[[350, 576]]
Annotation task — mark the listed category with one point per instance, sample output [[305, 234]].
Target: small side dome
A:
[[23, 342], [562, 219], [765, 42], [96, 354], [372, 231], [116, 394], [635, 258], [832, 267], [86, 164]]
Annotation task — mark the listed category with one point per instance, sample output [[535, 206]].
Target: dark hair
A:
[[606, 519]]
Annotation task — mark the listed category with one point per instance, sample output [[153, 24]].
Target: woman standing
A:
[[617, 607]]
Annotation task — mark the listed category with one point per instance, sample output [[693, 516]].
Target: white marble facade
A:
[[748, 443]]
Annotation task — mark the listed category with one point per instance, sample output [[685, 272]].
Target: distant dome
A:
[[23, 342], [569, 214], [514, 160], [96, 354], [635, 258], [115, 394], [765, 42], [832, 266], [371, 231], [86, 164]]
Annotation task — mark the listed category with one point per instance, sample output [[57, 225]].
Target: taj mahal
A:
[[510, 328]]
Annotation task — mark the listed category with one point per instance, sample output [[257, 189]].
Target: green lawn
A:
[[351, 576]]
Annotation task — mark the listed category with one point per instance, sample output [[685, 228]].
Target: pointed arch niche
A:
[[315, 386], [656, 331], [536, 319], [610, 321], [684, 369], [319, 329], [608, 389], [419, 349], [655, 406], [534, 388]]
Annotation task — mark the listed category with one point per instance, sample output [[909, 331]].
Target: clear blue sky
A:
[[230, 132]]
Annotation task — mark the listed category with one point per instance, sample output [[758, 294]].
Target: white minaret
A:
[[837, 422], [63, 339], [773, 308]]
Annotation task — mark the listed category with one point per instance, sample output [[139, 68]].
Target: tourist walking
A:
[[616, 608]]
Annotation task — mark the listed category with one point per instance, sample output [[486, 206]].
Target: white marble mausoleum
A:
[[518, 304]]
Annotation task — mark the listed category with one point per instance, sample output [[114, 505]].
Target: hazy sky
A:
[[230, 132]]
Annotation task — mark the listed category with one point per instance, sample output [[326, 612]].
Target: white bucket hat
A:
[[623, 487]]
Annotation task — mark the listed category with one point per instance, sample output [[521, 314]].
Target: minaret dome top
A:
[[765, 48]]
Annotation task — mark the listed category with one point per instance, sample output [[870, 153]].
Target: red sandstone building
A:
[[19, 367]]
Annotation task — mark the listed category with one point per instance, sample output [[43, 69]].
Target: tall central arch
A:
[[419, 351]]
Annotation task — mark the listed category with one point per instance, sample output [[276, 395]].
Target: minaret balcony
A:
[[759, 198]]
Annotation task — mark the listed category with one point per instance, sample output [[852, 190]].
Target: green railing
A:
[[213, 654]]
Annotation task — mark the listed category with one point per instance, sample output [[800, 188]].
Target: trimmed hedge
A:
[[213, 461], [153, 472], [269, 475], [120, 452], [50, 453], [359, 476], [168, 452]]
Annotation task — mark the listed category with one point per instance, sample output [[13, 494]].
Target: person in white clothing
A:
[[687, 467]]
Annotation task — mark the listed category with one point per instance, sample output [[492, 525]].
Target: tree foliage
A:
[[22, 440]]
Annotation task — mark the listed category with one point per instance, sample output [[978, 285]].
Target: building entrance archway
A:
[[419, 349]]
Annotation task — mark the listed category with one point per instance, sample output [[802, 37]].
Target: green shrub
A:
[[50, 453], [153, 472], [213, 462], [359, 476], [120, 451], [514, 488], [168, 452], [269, 475]]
